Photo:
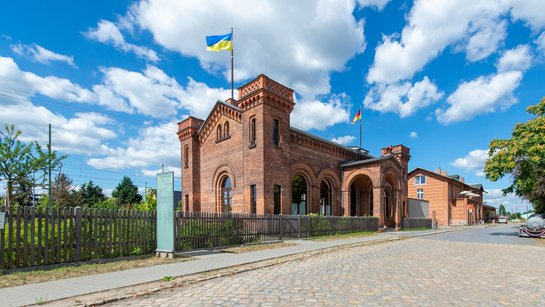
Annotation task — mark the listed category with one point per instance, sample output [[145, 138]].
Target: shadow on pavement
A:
[[511, 234]]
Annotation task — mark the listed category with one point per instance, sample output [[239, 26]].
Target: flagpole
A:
[[360, 131], [232, 69]]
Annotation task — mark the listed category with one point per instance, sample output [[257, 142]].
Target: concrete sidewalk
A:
[[201, 262]]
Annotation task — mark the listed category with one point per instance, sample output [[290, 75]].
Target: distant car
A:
[[502, 220]]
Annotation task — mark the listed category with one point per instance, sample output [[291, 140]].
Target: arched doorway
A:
[[390, 201], [226, 195], [325, 198], [298, 195], [361, 196]]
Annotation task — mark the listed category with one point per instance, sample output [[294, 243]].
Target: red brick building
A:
[[451, 200], [245, 157]]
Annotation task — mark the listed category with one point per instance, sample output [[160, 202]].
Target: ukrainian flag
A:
[[219, 42]]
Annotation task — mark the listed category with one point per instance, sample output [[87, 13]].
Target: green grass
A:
[[344, 236], [30, 277], [416, 229]]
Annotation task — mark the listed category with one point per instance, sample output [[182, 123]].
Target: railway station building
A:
[[246, 158]]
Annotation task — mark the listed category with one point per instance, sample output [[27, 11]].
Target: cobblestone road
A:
[[421, 271]]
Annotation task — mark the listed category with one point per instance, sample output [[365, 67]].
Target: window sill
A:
[[223, 139], [252, 145]]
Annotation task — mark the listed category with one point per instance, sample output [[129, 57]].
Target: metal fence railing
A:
[[411, 223], [201, 229]]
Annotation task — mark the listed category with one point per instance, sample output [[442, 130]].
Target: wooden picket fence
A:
[[36, 237]]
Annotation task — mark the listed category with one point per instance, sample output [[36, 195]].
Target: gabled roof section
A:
[[445, 178], [370, 161], [220, 109]]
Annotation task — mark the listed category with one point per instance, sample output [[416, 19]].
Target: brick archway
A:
[[220, 174]]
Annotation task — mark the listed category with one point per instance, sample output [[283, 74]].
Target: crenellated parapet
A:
[[265, 90], [189, 127]]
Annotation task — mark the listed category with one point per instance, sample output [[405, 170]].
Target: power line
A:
[[77, 107]]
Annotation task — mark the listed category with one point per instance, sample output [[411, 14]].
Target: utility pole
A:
[[49, 170]]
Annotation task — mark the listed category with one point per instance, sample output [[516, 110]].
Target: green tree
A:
[[126, 193], [63, 193], [19, 160], [149, 202], [523, 157], [501, 210], [107, 203], [90, 194], [22, 193]]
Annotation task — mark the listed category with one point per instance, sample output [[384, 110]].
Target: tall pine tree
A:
[[90, 194], [126, 193]]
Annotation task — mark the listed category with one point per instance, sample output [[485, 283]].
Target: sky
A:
[[442, 77]]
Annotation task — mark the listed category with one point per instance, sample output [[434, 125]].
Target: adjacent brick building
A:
[[245, 157], [451, 200]]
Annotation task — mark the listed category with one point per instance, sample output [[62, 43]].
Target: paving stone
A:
[[420, 271]]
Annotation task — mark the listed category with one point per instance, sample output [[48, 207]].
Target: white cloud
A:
[[152, 92], [485, 94], [153, 172], [413, 135], [402, 98], [155, 145], [40, 54], [377, 4], [530, 11], [27, 84], [540, 42], [511, 202], [82, 133], [108, 33], [518, 58], [485, 40], [308, 41], [344, 140], [431, 27], [473, 162], [315, 114]]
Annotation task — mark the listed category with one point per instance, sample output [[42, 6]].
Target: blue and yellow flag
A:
[[219, 42]]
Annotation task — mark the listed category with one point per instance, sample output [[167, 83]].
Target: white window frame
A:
[[420, 193], [418, 180]]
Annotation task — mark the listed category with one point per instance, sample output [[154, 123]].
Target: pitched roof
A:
[[446, 178], [365, 152], [369, 161]]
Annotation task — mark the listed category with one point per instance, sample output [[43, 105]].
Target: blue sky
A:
[[114, 77]]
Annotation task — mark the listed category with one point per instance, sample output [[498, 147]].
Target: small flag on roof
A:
[[219, 42]]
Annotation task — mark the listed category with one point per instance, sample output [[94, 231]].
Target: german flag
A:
[[357, 117]]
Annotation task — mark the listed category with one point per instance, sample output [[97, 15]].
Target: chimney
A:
[[438, 171], [444, 173], [462, 179]]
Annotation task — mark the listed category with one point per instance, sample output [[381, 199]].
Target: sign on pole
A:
[[165, 215]]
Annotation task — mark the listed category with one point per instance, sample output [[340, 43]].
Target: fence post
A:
[[309, 226], [299, 226], [281, 223], [77, 215]]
